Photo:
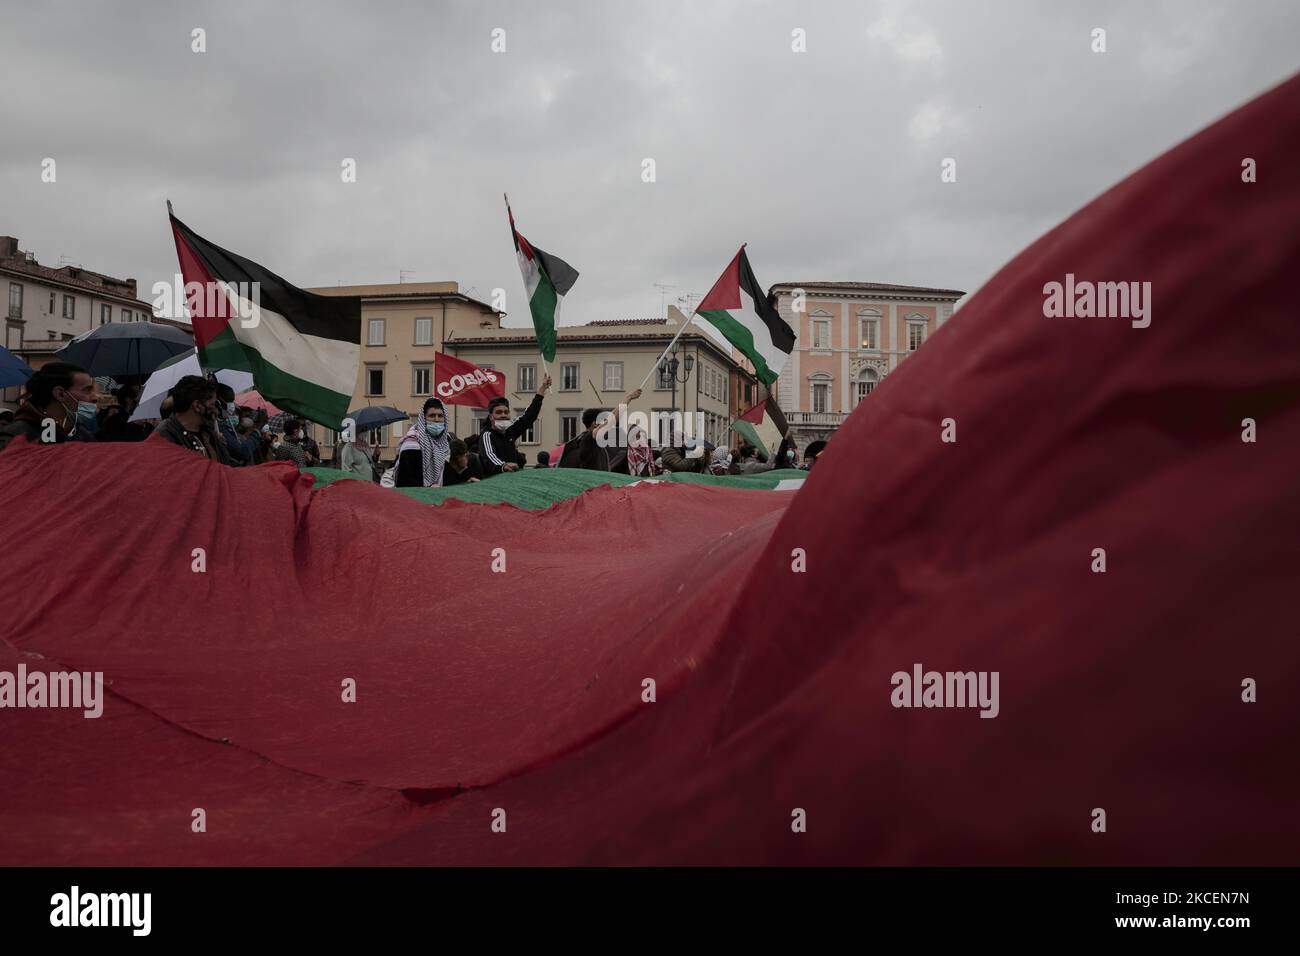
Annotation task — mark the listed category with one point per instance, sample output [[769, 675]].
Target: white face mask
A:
[[501, 424]]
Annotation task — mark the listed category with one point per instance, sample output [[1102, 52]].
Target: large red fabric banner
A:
[[1099, 512]]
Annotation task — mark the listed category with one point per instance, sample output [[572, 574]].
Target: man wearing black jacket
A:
[[589, 450], [496, 451]]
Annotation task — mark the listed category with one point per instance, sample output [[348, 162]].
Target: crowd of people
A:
[[61, 403]]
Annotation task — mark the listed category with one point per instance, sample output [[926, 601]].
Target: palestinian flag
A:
[[762, 426], [738, 307], [301, 348], [547, 279]]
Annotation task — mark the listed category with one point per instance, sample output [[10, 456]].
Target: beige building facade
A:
[[595, 366], [402, 326], [47, 307]]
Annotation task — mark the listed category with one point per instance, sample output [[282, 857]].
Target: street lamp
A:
[[669, 366]]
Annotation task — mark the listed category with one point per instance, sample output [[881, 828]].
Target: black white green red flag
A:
[[762, 426], [547, 279], [738, 307], [301, 348]]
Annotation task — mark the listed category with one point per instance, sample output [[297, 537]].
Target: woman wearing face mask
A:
[[55, 394], [422, 456]]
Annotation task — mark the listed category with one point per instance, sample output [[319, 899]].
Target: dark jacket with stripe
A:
[[496, 448]]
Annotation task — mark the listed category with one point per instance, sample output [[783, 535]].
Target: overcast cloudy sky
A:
[[826, 162]]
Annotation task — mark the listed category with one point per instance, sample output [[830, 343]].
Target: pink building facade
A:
[[850, 335]]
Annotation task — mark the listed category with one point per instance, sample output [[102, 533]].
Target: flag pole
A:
[[689, 320]]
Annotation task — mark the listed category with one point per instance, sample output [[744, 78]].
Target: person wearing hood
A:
[[721, 463], [425, 450], [496, 447], [638, 459], [57, 392]]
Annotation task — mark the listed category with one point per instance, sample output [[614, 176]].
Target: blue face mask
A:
[[87, 417], [435, 428]]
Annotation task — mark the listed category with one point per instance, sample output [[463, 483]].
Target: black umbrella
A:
[[124, 349], [377, 416]]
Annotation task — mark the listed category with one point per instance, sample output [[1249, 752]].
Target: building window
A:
[[15, 300], [69, 307], [821, 397], [13, 337], [870, 333], [422, 376], [423, 332], [867, 380], [378, 437], [821, 334], [480, 419], [51, 303], [126, 315], [915, 335], [568, 426], [376, 336], [374, 380], [527, 378], [614, 376], [569, 377], [105, 314], [529, 437], [663, 379]]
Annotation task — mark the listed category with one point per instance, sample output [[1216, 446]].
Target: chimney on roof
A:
[[8, 247], [130, 284]]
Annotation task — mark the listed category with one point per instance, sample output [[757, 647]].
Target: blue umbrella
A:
[[126, 349], [13, 370], [377, 416]]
